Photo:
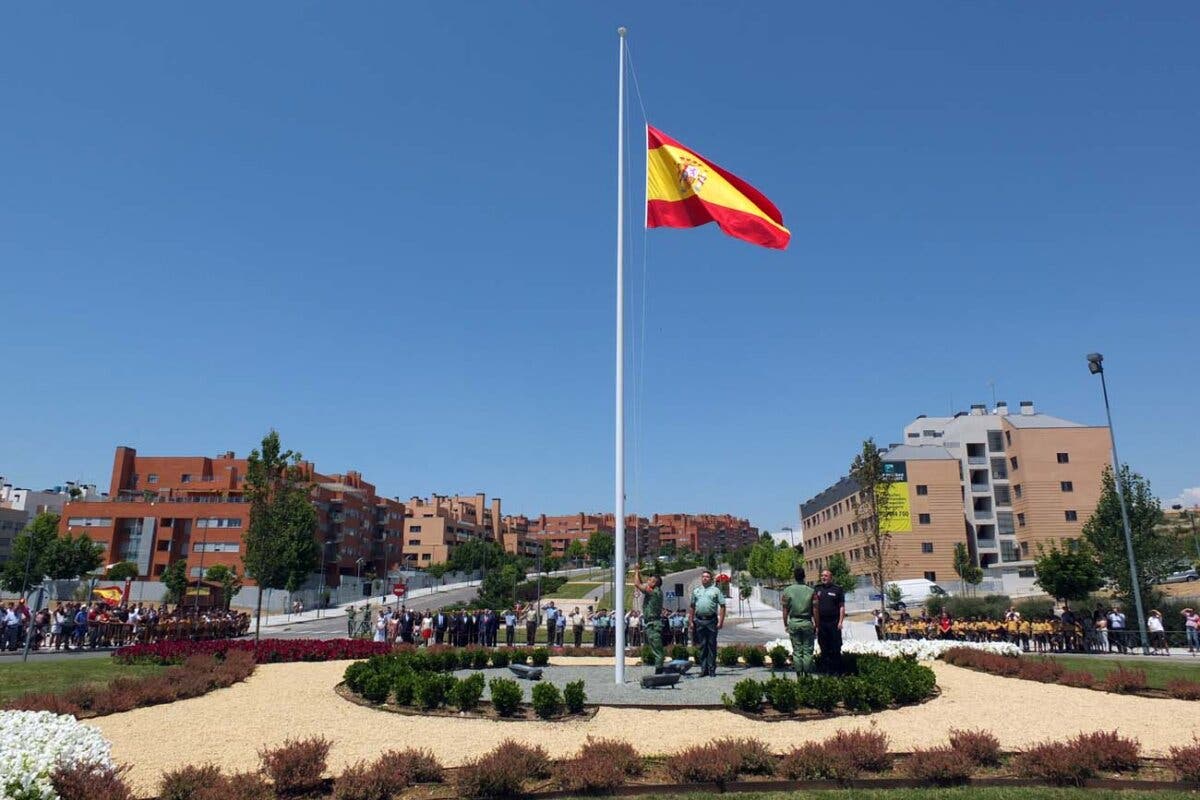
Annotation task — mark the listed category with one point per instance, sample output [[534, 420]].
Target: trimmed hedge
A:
[[872, 683]]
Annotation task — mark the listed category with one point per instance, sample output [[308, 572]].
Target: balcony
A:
[[980, 488], [983, 513], [977, 460]]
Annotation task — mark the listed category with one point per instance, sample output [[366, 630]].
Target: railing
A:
[[982, 488], [980, 460], [983, 513]]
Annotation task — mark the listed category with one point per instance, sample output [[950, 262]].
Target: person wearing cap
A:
[[800, 621]]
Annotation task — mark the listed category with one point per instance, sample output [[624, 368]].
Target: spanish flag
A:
[[686, 190]]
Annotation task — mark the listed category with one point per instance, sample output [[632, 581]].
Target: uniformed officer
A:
[[652, 605], [831, 612], [706, 614], [800, 620]]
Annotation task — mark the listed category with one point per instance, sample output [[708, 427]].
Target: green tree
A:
[[1070, 573], [228, 578], [29, 559], [600, 547], [476, 554], [122, 571], [761, 561], [968, 574], [281, 549], [438, 571], [842, 575], [784, 561], [1155, 553], [868, 474], [498, 587], [73, 556], [175, 578], [576, 551]]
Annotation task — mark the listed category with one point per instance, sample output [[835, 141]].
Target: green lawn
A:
[[1157, 672], [571, 591], [607, 600], [963, 793], [52, 676]]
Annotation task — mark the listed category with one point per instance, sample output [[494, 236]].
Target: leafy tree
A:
[[893, 594], [228, 578], [1070, 573], [175, 578], [438, 571], [761, 561], [29, 559], [842, 575], [867, 472], [281, 549], [122, 571], [73, 556], [784, 561], [476, 554], [710, 561], [964, 567], [1155, 553], [498, 587], [576, 551], [600, 546], [739, 557]]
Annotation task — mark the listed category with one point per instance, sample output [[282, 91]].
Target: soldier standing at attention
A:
[[652, 604], [706, 615], [800, 620], [831, 612]]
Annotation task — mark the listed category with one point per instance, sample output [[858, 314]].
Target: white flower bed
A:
[[33, 743], [920, 649]]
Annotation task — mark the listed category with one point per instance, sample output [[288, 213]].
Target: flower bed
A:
[[196, 676], [266, 651], [920, 649], [34, 744]]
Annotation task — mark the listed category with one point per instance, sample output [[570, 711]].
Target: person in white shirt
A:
[[1158, 636]]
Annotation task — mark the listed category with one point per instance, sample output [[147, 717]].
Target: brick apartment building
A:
[[704, 533], [434, 526], [701, 533], [1001, 483], [163, 508]]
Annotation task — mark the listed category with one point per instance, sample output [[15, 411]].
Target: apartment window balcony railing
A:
[[987, 543], [983, 513], [981, 488], [977, 460]]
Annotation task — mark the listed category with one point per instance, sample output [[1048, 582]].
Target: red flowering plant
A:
[[723, 581], [266, 651]]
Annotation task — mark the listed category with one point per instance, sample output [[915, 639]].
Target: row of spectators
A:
[[78, 626]]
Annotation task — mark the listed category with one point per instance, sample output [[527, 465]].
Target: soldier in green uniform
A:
[[799, 617], [652, 606], [706, 613]]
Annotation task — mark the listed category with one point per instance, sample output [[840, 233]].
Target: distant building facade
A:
[[18, 507]]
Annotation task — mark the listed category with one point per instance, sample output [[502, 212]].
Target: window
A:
[[923, 519], [1064, 458], [414, 528], [1008, 437], [216, 547], [1020, 520], [1024, 548], [1004, 522], [1003, 497], [914, 436], [185, 478], [1013, 462], [414, 541], [1017, 490], [218, 522], [1066, 486], [926, 547], [426, 557], [995, 442], [159, 569], [1071, 515], [922, 489], [151, 478], [90, 522], [164, 546], [931, 576]]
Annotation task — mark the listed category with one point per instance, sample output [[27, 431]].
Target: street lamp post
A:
[[1096, 367], [1192, 519], [791, 535]]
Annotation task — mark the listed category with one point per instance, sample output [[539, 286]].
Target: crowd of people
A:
[[518, 625], [87, 626], [1104, 629]]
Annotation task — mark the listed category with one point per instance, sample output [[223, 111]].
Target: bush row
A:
[[266, 651], [876, 683], [297, 768], [1120, 680], [196, 676]]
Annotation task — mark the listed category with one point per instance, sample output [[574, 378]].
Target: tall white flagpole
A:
[[619, 557]]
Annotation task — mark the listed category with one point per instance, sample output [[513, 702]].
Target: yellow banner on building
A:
[[891, 503]]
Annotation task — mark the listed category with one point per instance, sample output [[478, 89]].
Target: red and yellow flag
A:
[[686, 190]]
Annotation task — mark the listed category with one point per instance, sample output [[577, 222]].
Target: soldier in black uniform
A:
[[830, 601]]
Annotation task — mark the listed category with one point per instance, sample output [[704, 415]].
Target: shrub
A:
[[575, 697], [417, 766], [465, 693], [506, 695], [489, 777], [404, 686], [1079, 678], [296, 766], [755, 656], [188, 782], [728, 655], [532, 759], [500, 658], [540, 656], [782, 694], [1123, 681], [376, 688], [704, 764], [1108, 751], [779, 657], [748, 694], [246, 786], [754, 757], [1054, 762], [48, 701], [861, 694], [600, 766], [1183, 689], [430, 689], [939, 766], [1186, 761], [820, 692], [980, 746], [479, 659], [1042, 669], [363, 781], [547, 700], [679, 652], [87, 781], [815, 761], [520, 655], [867, 750]]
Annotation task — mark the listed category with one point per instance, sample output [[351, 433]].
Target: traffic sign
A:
[[670, 595], [399, 589]]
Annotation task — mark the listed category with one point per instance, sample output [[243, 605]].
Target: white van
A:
[[916, 591]]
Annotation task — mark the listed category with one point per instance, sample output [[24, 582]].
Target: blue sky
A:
[[387, 230]]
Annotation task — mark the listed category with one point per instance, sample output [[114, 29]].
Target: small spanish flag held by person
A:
[[686, 190]]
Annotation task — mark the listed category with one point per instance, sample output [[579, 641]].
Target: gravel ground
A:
[[228, 726]]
